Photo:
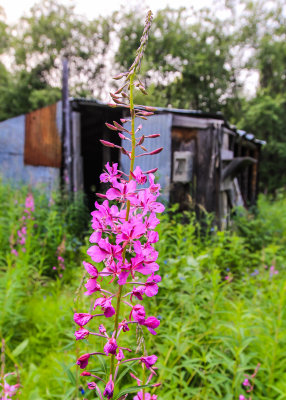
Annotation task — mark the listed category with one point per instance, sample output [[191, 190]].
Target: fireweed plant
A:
[[7, 391], [123, 240], [22, 231]]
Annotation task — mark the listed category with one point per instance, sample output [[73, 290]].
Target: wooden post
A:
[[67, 173]]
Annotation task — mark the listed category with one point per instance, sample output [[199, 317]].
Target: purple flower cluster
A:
[[61, 261], [8, 391], [124, 242], [248, 384], [22, 231]]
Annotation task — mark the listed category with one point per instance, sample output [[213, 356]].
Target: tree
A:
[[188, 59]]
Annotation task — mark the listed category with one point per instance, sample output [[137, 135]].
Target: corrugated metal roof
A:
[[194, 113]]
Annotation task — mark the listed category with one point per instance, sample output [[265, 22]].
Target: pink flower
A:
[[151, 285], [105, 305], [246, 382], [139, 176], [102, 329], [92, 286], [29, 203], [241, 397], [81, 334], [91, 269], [149, 360], [120, 355], [147, 396], [109, 388], [104, 251], [82, 319], [111, 173], [83, 360], [138, 292], [152, 323], [138, 313], [130, 232], [110, 347], [123, 191]]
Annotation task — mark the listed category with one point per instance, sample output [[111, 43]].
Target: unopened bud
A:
[[120, 127], [119, 76], [85, 373], [109, 126], [151, 171], [107, 144], [143, 90], [153, 136], [141, 140], [156, 151]]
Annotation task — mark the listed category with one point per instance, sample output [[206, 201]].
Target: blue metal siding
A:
[[161, 124], [12, 167]]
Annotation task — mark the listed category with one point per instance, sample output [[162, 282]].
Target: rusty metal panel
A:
[[42, 139]]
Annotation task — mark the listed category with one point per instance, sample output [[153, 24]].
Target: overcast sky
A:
[[93, 8]]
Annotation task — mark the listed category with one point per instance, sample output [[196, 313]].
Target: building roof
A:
[[250, 137]]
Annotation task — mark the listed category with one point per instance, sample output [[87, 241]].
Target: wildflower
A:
[[109, 388], [83, 360], [81, 334], [149, 360], [105, 305], [246, 382], [82, 318], [123, 241], [272, 271], [110, 347]]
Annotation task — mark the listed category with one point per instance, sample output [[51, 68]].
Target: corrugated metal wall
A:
[[162, 124], [12, 166]]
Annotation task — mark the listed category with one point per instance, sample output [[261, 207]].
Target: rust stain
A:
[[42, 140], [184, 134]]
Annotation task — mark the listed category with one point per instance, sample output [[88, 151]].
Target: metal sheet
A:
[[161, 124], [12, 135], [42, 139]]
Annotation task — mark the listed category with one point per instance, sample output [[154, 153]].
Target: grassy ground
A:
[[213, 330]]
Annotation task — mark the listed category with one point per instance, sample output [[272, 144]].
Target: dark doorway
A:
[[94, 154]]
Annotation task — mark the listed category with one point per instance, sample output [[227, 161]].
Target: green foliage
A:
[[212, 330], [185, 60]]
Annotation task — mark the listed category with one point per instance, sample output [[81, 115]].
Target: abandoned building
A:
[[205, 161]]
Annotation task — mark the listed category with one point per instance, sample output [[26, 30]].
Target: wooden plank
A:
[[42, 139], [77, 157]]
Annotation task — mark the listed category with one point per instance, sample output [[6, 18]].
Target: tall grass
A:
[[213, 330]]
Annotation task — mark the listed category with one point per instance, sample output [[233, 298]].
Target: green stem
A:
[[132, 160]]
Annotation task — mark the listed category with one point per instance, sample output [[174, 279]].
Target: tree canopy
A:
[[194, 59]]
